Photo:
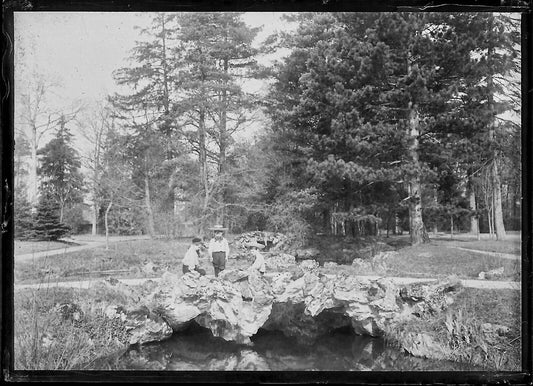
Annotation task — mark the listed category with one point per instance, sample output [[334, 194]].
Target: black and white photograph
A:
[[205, 191]]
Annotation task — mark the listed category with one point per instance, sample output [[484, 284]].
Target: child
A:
[[259, 261], [218, 249], [191, 261]]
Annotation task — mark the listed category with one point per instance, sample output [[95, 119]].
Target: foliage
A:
[[127, 221], [343, 106], [289, 215], [47, 224], [59, 170], [45, 340], [73, 218], [23, 218], [459, 329]]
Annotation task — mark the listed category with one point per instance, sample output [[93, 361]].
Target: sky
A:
[[83, 49], [80, 50]]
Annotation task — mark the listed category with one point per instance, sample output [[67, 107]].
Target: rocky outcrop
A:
[[303, 302]]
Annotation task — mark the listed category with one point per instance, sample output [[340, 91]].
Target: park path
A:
[[87, 244], [481, 284], [511, 256]]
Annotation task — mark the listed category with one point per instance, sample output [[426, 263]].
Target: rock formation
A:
[[303, 302]]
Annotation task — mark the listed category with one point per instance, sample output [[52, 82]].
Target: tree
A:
[[59, 170], [368, 99], [24, 219], [38, 117], [96, 128], [479, 126], [218, 55], [149, 114], [47, 224]]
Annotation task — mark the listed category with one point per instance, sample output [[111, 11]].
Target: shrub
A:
[[73, 218], [46, 339], [289, 213]]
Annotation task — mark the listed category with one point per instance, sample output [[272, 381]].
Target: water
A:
[[197, 349]]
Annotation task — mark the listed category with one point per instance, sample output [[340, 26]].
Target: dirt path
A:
[[495, 254], [88, 243], [482, 284]]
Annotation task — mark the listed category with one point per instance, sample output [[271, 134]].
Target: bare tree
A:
[[37, 118], [95, 128]]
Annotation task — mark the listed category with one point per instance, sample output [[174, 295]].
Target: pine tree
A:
[[378, 98], [47, 225], [59, 170], [218, 54], [23, 218]]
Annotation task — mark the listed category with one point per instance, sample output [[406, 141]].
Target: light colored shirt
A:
[[218, 246], [259, 262], [191, 257]]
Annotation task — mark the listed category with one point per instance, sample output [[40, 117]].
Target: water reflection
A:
[[197, 349]]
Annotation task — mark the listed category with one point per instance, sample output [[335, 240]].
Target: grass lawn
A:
[[512, 246], [434, 259], [124, 259], [128, 259], [25, 247]]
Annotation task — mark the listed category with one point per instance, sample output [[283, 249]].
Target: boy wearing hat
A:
[[218, 249], [191, 261]]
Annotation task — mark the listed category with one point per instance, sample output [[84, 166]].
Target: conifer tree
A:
[[24, 219], [378, 98], [218, 56], [47, 225], [59, 170]]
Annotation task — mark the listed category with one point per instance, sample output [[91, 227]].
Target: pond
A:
[[341, 350]]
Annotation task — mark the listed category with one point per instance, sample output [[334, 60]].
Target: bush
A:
[[47, 339], [73, 218], [289, 216], [126, 221]]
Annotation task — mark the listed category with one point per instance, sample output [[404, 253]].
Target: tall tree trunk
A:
[[416, 224], [451, 226], [148, 205], [106, 217], [223, 140], [61, 211], [166, 95], [499, 226], [33, 182], [490, 219], [94, 230], [496, 184], [474, 220], [203, 168]]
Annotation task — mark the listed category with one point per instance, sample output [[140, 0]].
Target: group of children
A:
[[218, 251]]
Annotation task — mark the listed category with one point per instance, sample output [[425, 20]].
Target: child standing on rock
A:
[[218, 249], [259, 260]]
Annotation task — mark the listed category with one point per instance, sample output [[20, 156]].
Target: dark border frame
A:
[[392, 377]]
